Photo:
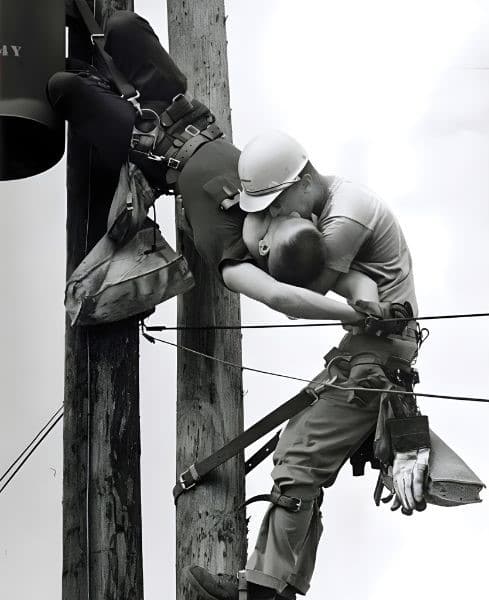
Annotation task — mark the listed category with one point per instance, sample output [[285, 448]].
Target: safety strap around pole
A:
[[196, 472], [97, 36], [262, 453]]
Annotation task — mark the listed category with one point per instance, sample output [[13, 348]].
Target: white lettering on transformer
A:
[[10, 50]]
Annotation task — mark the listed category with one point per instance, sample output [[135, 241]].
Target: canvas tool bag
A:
[[132, 268], [132, 200]]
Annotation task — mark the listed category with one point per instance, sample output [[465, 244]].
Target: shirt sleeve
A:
[[344, 238]]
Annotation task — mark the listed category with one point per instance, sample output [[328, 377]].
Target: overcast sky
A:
[[391, 94]]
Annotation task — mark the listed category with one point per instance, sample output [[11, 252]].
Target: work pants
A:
[[95, 110], [98, 114], [312, 449]]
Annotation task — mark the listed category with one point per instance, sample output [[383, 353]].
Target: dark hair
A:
[[299, 259]]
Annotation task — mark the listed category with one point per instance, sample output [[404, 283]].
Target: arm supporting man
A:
[[297, 302]]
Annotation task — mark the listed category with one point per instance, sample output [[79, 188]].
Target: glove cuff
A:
[[409, 433]]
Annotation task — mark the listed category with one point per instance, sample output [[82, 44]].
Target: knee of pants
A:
[[304, 492], [60, 85], [121, 22]]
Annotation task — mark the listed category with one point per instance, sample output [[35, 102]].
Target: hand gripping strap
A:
[[191, 476]]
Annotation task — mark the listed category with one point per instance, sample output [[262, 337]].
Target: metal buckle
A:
[[155, 157], [173, 163], [298, 505], [96, 35], [135, 138], [134, 101], [315, 391], [186, 486], [192, 130]]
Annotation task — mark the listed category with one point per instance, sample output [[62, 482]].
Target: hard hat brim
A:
[[253, 204]]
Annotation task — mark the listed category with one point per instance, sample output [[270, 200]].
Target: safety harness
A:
[[169, 138], [172, 137], [396, 363]]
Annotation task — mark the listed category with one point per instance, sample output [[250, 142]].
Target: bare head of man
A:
[[294, 251]]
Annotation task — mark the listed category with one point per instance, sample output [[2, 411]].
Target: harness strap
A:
[[263, 453], [306, 397], [290, 503], [180, 106], [181, 155], [97, 36], [196, 472]]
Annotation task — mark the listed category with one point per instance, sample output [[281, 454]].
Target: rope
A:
[[285, 325], [331, 385]]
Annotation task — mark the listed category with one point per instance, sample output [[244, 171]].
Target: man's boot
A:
[[223, 587]]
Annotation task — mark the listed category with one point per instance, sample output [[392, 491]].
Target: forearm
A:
[[356, 286], [304, 304], [293, 301]]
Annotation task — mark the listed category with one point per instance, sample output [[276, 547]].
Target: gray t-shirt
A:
[[362, 234]]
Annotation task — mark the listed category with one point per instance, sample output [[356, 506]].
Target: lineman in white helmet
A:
[[296, 217]]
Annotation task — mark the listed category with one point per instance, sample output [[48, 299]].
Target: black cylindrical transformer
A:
[[32, 48]]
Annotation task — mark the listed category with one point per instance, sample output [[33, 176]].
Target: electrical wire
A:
[[27, 448], [57, 417], [153, 339], [287, 325], [19, 467]]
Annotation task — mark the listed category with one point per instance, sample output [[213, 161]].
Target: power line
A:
[[30, 445], [287, 325], [54, 420], [337, 387], [50, 425]]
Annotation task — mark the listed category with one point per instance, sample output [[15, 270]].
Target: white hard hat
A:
[[269, 164]]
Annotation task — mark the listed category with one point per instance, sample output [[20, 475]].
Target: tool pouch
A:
[[132, 199], [132, 268], [224, 190], [450, 482], [115, 282]]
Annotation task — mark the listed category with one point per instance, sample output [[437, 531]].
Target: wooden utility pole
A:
[[210, 531], [102, 547]]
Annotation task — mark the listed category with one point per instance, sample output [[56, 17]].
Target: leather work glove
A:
[[378, 315], [410, 440], [409, 475]]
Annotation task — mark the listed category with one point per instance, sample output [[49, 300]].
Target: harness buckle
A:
[[192, 130], [185, 485], [134, 101], [173, 163], [155, 157], [96, 35], [298, 504]]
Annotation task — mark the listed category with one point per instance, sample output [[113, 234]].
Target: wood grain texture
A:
[[211, 531], [102, 548]]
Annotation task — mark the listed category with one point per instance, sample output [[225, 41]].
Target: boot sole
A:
[[194, 583]]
